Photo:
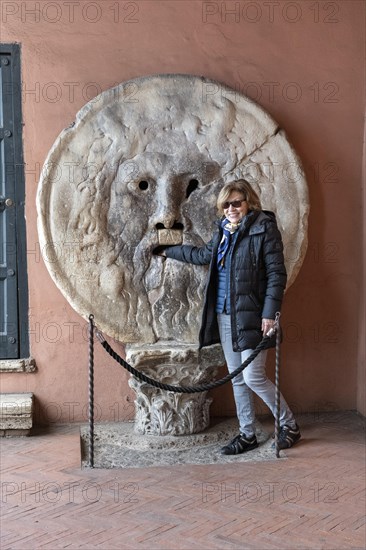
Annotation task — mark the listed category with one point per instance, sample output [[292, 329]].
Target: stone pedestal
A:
[[160, 412], [16, 414]]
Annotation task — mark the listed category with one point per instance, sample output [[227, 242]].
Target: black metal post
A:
[[277, 384], [91, 391]]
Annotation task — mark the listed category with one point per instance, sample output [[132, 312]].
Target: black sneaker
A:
[[288, 436], [240, 444]]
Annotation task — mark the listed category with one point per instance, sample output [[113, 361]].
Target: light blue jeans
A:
[[253, 378]]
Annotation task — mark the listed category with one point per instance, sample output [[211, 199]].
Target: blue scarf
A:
[[228, 230]]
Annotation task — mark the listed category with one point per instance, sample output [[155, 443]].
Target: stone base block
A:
[[117, 445], [16, 414]]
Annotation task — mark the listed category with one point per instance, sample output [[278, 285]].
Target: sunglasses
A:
[[235, 204]]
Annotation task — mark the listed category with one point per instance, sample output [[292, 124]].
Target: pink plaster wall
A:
[[303, 62]]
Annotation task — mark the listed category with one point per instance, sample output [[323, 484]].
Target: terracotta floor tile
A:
[[312, 498]]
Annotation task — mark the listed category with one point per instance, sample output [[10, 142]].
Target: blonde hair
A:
[[243, 187]]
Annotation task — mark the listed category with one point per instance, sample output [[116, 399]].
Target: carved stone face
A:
[[159, 189], [134, 174], [165, 197]]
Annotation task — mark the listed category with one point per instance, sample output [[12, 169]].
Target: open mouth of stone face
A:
[[170, 237]]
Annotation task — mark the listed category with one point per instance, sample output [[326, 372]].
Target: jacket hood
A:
[[270, 214]]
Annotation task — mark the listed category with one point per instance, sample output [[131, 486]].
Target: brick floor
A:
[[313, 498]]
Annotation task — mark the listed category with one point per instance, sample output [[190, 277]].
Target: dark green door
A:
[[13, 278]]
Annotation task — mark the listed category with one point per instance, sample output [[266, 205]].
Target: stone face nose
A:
[[165, 219], [169, 198]]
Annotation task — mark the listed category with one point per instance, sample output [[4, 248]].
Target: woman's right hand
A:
[[160, 251]]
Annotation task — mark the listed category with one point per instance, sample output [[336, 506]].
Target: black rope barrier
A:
[[276, 329], [185, 389]]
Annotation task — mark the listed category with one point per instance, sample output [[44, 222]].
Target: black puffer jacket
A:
[[257, 282]]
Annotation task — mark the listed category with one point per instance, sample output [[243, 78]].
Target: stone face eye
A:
[[143, 185], [192, 186]]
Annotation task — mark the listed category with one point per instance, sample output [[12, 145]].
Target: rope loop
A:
[[183, 389]]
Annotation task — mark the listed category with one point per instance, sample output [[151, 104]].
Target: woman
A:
[[246, 282]]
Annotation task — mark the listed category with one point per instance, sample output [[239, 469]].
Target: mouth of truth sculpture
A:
[[143, 169]]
